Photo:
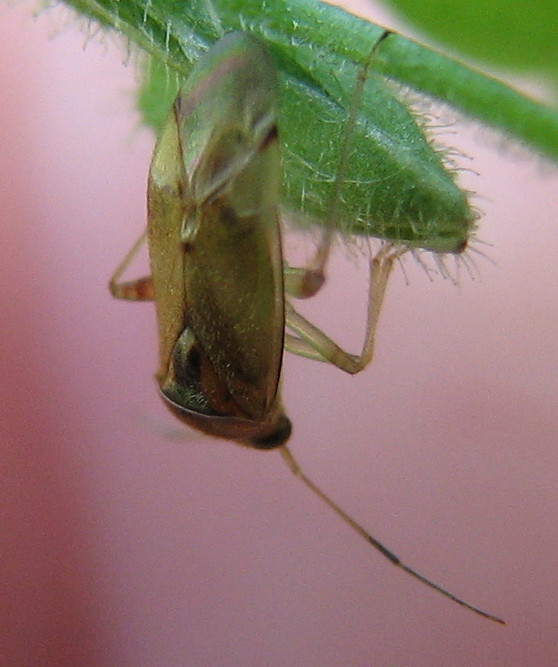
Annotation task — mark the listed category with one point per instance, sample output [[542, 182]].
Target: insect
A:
[[221, 290]]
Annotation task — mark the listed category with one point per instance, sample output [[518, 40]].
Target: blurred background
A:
[[127, 540]]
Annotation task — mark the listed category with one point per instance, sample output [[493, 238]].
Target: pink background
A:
[[126, 541]]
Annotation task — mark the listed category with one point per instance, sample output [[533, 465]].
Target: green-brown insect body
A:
[[215, 249]]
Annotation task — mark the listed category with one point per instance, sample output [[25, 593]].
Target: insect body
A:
[[217, 273], [221, 313], [215, 249]]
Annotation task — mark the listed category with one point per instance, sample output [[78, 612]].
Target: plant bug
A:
[[217, 274]]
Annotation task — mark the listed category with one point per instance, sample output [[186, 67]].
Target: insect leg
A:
[[311, 342], [140, 289], [305, 282]]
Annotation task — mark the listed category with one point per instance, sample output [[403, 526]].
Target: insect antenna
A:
[[389, 555]]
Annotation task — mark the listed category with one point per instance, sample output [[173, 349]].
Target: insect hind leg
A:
[[307, 281], [310, 341]]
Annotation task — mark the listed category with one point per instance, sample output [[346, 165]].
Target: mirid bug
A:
[[217, 274]]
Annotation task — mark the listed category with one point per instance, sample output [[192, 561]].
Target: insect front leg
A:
[[311, 342], [140, 289]]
